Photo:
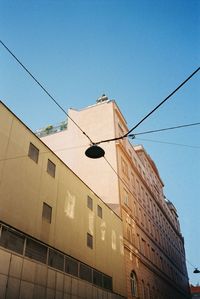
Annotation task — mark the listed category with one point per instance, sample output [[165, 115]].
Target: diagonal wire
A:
[[170, 143], [164, 129], [152, 111], [45, 90], [161, 103]]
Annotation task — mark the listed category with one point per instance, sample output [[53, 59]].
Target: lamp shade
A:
[[94, 152]]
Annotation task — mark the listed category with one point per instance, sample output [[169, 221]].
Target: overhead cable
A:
[[170, 143], [161, 103], [45, 90], [163, 129]]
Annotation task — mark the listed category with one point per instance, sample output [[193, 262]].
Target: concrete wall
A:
[[22, 278], [26, 185], [70, 145], [147, 218]]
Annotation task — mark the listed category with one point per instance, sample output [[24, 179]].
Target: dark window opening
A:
[[51, 168], [97, 278], [36, 251], [89, 203], [12, 240], [90, 241], [107, 282], [56, 259], [99, 211], [46, 212], [33, 152], [71, 266], [85, 272], [133, 281]]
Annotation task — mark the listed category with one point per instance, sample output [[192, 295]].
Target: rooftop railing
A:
[[51, 129]]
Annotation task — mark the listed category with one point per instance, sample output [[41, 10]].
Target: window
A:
[[138, 241], [99, 211], [71, 266], [46, 212], [33, 152], [126, 199], [133, 281], [12, 240], [138, 188], [97, 278], [89, 203], [133, 180], [36, 251], [56, 259], [124, 166], [143, 290], [51, 168], [85, 272], [90, 241], [107, 282], [143, 247]]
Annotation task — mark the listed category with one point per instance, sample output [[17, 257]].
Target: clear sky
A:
[[136, 52]]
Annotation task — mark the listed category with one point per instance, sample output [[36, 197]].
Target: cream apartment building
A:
[[127, 179], [58, 239]]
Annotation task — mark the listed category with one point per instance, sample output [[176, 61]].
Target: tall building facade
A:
[[128, 180], [58, 239]]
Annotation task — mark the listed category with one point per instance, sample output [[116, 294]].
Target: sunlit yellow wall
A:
[[25, 185]]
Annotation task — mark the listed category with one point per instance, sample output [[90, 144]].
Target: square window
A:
[[90, 203], [99, 211], [51, 168], [90, 241], [33, 152], [46, 212]]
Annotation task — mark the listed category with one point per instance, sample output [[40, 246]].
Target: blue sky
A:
[[136, 52]]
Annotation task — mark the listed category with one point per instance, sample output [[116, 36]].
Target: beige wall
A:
[[26, 279], [139, 193], [70, 145], [25, 185]]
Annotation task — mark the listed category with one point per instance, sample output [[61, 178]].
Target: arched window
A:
[[133, 280]]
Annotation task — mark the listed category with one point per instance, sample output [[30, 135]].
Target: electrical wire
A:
[[152, 111], [63, 110], [103, 141], [148, 214], [164, 129], [170, 143], [45, 90], [169, 96]]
